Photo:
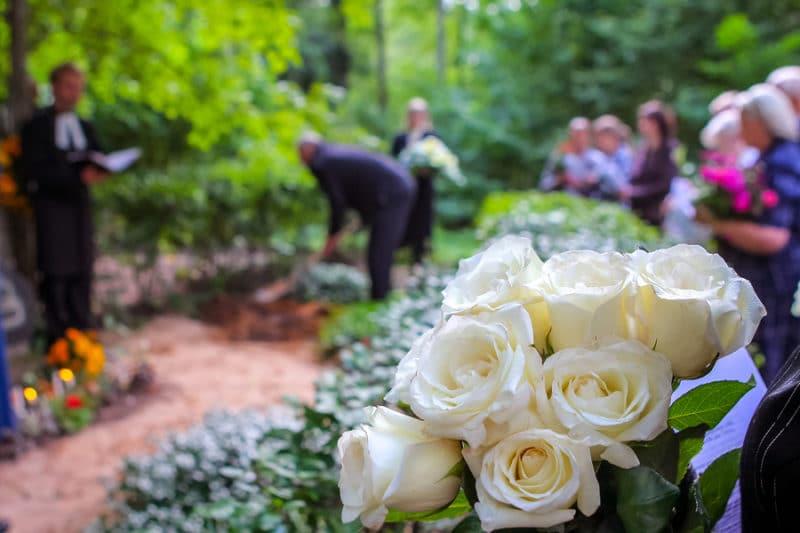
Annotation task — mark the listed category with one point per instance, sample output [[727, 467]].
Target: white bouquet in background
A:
[[431, 154], [554, 380]]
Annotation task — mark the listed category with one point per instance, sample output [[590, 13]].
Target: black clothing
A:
[[67, 303], [770, 464], [651, 181], [420, 221], [379, 189], [61, 201], [62, 210]]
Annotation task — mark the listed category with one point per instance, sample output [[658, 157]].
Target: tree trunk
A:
[[20, 100], [339, 59], [19, 225], [380, 41], [441, 50]]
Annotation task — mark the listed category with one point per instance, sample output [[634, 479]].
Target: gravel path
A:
[[60, 487]]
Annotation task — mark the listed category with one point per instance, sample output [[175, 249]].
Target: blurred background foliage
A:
[[216, 92]]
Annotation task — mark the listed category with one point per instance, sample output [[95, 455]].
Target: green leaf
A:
[[645, 499], [471, 524], [690, 442], [660, 454], [458, 507], [457, 470], [717, 482], [707, 404]]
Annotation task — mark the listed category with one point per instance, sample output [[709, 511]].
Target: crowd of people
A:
[[598, 160], [759, 129], [755, 131]]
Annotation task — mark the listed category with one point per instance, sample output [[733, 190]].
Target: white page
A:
[[120, 160], [730, 432]]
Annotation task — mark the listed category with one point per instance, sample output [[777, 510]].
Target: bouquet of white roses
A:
[[431, 154], [542, 400]]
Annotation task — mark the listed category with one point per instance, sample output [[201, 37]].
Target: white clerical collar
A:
[[69, 134]]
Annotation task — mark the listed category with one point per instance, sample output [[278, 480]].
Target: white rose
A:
[[533, 479], [693, 307], [501, 274], [616, 393], [407, 369], [475, 369], [588, 295], [392, 464]]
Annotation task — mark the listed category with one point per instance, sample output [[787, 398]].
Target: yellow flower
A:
[[95, 361], [7, 185]]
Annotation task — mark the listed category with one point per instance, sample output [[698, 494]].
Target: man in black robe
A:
[[379, 188], [62, 203]]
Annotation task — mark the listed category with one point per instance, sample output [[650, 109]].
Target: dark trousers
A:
[[67, 303], [420, 220], [388, 228]]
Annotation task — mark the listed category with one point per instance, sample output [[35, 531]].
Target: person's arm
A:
[[750, 237], [91, 174], [44, 165], [771, 233], [336, 201]]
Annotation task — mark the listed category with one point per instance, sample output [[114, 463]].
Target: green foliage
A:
[[457, 508], [72, 419], [645, 499], [707, 404], [202, 208], [450, 246], [716, 484], [348, 324], [558, 222], [333, 282]]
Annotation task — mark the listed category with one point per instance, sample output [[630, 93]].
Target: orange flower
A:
[[73, 334], [7, 185], [12, 146], [5, 159], [59, 353]]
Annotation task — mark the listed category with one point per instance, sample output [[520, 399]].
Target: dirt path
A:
[[59, 487]]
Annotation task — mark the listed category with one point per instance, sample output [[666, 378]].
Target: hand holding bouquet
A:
[[431, 154], [543, 398], [730, 192]]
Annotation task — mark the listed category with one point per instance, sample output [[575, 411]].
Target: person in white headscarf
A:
[[62, 202], [787, 79], [723, 136]]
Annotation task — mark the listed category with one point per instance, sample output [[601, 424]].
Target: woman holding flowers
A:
[[420, 220], [766, 250]]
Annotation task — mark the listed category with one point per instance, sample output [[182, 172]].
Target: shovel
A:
[[280, 288]]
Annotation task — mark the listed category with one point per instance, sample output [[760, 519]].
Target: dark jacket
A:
[[360, 180], [61, 201], [770, 464], [652, 177], [400, 141]]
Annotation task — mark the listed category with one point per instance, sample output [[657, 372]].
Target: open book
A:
[[111, 162]]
